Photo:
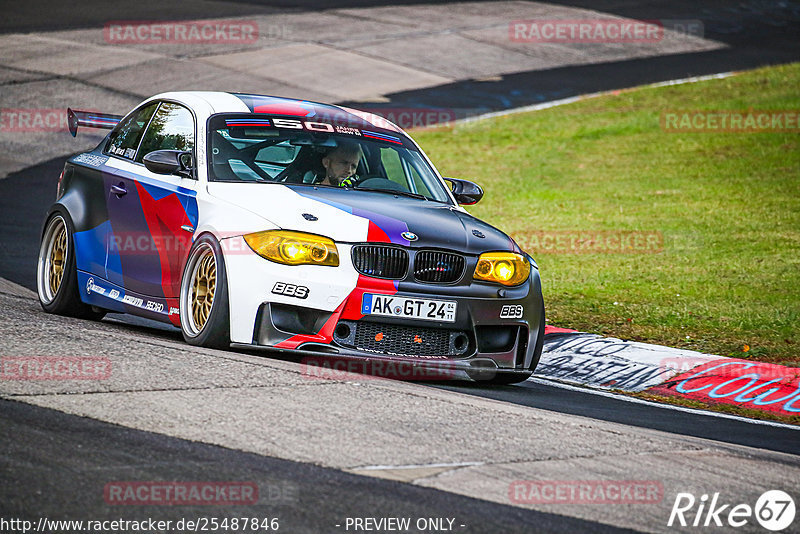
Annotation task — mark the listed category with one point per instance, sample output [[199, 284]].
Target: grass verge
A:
[[725, 205]]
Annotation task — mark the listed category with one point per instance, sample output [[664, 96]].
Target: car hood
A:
[[347, 215]]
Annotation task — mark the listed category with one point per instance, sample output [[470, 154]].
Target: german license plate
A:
[[409, 308]]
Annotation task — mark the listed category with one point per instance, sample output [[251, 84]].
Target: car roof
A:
[[225, 102]]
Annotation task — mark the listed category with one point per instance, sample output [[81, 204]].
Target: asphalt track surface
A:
[[32, 450], [755, 33], [650, 415], [305, 498], [19, 262]]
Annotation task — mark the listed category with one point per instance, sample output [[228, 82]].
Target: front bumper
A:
[[496, 329], [326, 363]]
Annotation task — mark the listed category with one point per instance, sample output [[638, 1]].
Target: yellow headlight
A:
[[294, 248], [505, 268]]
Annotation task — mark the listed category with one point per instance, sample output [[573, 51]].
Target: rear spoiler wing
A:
[[91, 119]]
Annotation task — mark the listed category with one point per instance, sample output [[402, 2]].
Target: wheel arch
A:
[[83, 197], [215, 334]]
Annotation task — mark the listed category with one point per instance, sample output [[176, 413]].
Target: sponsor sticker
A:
[[290, 290], [511, 311], [91, 159], [92, 287]]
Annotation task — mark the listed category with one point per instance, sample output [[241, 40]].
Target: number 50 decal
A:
[[299, 125]]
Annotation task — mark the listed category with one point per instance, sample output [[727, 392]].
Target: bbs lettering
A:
[[290, 290], [301, 292]]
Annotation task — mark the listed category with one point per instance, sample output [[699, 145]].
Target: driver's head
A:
[[341, 162]]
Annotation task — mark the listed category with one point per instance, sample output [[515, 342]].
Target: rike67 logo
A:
[[774, 510]]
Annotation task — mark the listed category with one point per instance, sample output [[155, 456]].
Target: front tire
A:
[[205, 319], [57, 273]]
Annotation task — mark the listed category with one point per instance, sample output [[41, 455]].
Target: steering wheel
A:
[[377, 182]]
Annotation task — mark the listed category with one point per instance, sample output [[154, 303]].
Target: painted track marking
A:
[[635, 400]]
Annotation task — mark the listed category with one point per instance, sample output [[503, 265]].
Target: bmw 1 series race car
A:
[[229, 216]]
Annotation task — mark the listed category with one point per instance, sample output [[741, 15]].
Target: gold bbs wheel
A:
[[199, 295], [204, 310], [52, 259]]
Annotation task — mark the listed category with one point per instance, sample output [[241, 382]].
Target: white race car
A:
[[219, 213]]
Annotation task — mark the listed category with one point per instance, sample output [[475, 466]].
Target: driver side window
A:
[[172, 128], [125, 137]]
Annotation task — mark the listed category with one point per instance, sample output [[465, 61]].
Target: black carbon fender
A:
[[84, 196]]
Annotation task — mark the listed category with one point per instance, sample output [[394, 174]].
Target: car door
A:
[[121, 204], [154, 218]]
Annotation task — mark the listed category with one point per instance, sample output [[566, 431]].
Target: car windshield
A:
[[289, 151]]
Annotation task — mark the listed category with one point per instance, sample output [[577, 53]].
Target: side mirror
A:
[[466, 192], [170, 162]]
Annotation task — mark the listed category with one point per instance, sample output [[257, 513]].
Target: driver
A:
[[341, 163]]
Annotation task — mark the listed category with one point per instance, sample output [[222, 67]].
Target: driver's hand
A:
[[349, 182]]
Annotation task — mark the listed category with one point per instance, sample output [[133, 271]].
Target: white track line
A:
[[415, 466], [570, 100], [625, 398]]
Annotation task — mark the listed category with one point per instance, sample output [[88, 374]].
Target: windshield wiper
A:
[[393, 192]]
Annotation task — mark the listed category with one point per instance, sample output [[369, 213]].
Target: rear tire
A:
[[57, 273], [205, 319]]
